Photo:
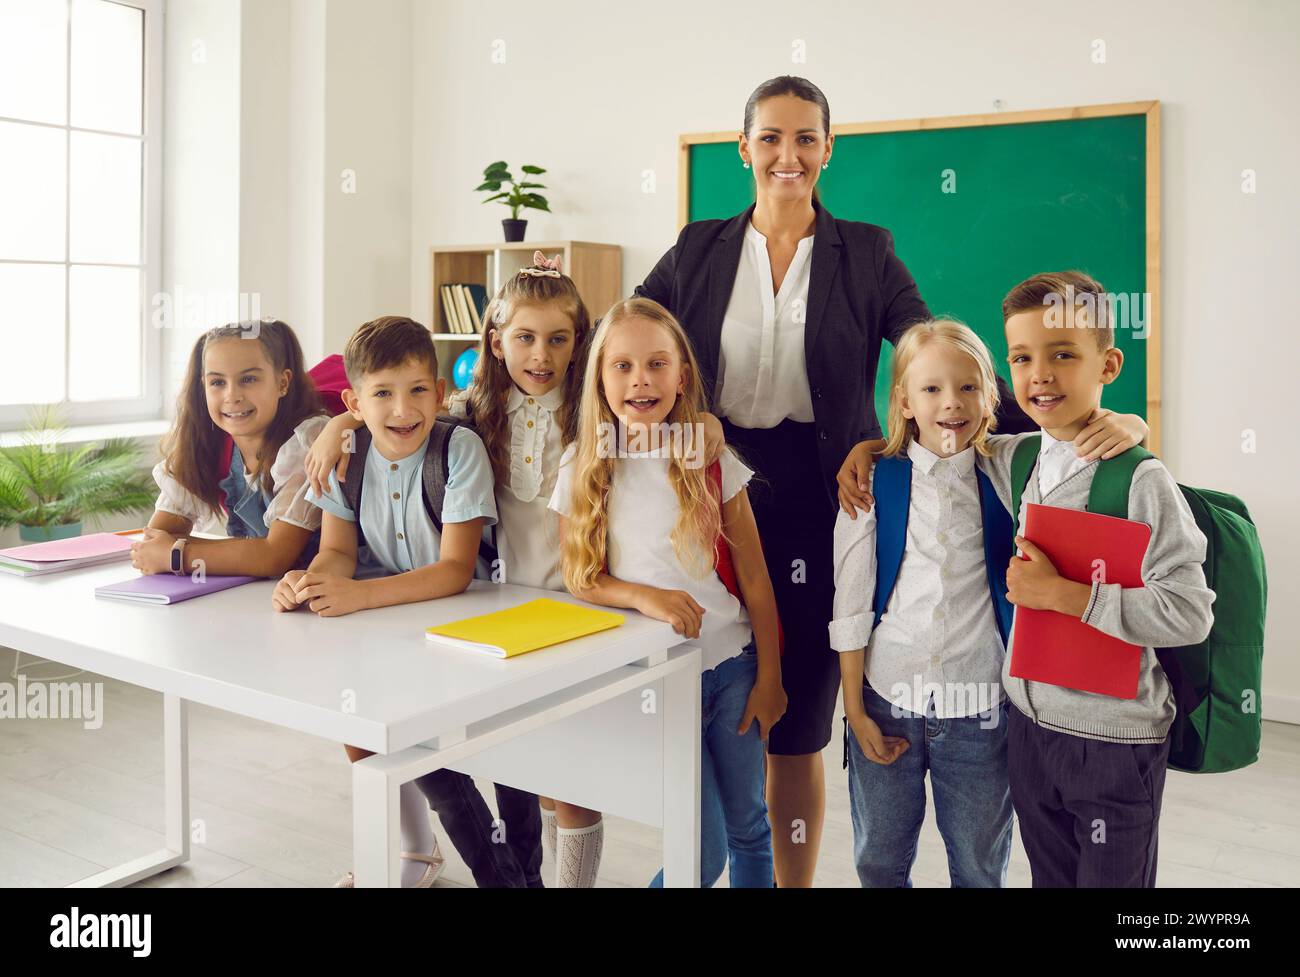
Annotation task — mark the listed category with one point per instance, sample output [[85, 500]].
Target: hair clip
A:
[[543, 267]]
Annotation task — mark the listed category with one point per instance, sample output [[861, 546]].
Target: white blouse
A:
[[528, 531], [762, 373], [288, 480]]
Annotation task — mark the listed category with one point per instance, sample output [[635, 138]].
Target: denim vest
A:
[[246, 508]]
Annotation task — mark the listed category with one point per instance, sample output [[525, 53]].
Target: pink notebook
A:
[[65, 554]]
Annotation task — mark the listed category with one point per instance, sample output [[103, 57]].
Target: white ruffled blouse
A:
[[528, 537], [288, 479]]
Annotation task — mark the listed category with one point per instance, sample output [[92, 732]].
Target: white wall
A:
[[367, 173], [597, 93], [201, 118], [292, 93]]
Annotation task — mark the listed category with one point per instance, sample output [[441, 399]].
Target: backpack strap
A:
[[356, 475], [437, 471], [721, 551], [722, 561], [998, 546], [891, 487], [1108, 495], [1022, 466], [227, 456]]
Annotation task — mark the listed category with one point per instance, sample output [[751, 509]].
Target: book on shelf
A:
[[478, 301], [449, 313], [464, 306], [462, 309]]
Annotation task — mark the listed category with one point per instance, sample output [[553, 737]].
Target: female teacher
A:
[[787, 307]]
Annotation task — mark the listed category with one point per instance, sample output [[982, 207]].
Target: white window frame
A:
[[148, 405]]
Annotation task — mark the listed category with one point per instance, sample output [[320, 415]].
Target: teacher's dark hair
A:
[[800, 88], [788, 85]]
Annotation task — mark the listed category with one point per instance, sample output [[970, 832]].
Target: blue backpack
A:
[[892, 489]]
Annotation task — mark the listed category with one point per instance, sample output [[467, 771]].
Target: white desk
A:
[[371, 679]]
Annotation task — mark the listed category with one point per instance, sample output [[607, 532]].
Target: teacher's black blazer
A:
[[859, 293]]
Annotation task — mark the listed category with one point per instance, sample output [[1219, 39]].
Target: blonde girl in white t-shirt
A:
[[523, 404], [641, 520]]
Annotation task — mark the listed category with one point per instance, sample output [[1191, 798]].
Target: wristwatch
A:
[[178, 557]]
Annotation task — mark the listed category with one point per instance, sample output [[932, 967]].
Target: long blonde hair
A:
[[584, 548], [959, 336]]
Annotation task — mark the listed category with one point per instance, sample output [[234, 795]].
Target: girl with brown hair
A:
[[246, 398]]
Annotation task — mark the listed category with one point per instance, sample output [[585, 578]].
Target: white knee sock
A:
[[417, 833], [548, 831], [577, 856]]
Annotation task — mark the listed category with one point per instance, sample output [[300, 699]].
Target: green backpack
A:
[[1216, 683]]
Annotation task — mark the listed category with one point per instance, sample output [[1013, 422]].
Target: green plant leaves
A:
[[43, 483], [495, 175]]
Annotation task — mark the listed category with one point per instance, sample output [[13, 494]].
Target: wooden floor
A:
[[274, 808]]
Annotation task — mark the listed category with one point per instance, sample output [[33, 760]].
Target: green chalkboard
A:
[[974, 209]]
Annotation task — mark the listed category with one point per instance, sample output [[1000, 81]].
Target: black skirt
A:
[[796, 523]]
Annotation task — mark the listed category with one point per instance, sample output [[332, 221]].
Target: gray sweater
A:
[[1171, 609]]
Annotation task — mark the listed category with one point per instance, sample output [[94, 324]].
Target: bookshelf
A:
[[596, 269]]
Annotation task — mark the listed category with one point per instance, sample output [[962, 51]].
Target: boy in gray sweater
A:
[[1087, 771]]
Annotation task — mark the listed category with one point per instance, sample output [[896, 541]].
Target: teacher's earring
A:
[[746, 165], [826, 165]]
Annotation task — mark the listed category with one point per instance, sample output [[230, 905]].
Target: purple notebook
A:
[[166, 588]]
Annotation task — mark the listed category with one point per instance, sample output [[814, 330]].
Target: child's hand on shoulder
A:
[[330, 595], [766, 703], [285, 595], [327, 453], [874, 744], [153, 554], [677, 607], [1108, 434], [853, 480]]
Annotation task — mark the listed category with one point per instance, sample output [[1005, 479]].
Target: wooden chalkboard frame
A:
[[1149, 109]]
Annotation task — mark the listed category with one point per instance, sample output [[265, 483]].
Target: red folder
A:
[[1059, 649]]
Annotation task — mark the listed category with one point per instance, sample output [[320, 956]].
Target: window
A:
[[80, 188]]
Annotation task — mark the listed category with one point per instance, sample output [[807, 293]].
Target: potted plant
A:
[[48, 489], [517, 198]]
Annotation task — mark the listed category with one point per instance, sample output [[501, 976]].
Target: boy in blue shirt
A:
[[413, 552]]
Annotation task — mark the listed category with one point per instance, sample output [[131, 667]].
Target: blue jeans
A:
[[733, 808], [972, 796]]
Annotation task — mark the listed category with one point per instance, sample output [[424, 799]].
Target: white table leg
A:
[[376, 825], [681, 773], [176, 803], [176, 777]]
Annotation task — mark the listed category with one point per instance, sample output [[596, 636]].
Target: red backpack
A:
[[722, 557]]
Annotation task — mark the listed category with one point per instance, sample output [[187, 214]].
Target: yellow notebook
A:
[[517, 630]]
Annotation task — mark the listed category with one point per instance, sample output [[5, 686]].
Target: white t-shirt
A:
[[643, 509]]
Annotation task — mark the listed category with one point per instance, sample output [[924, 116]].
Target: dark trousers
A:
[[1089, 811], [506, 855]]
